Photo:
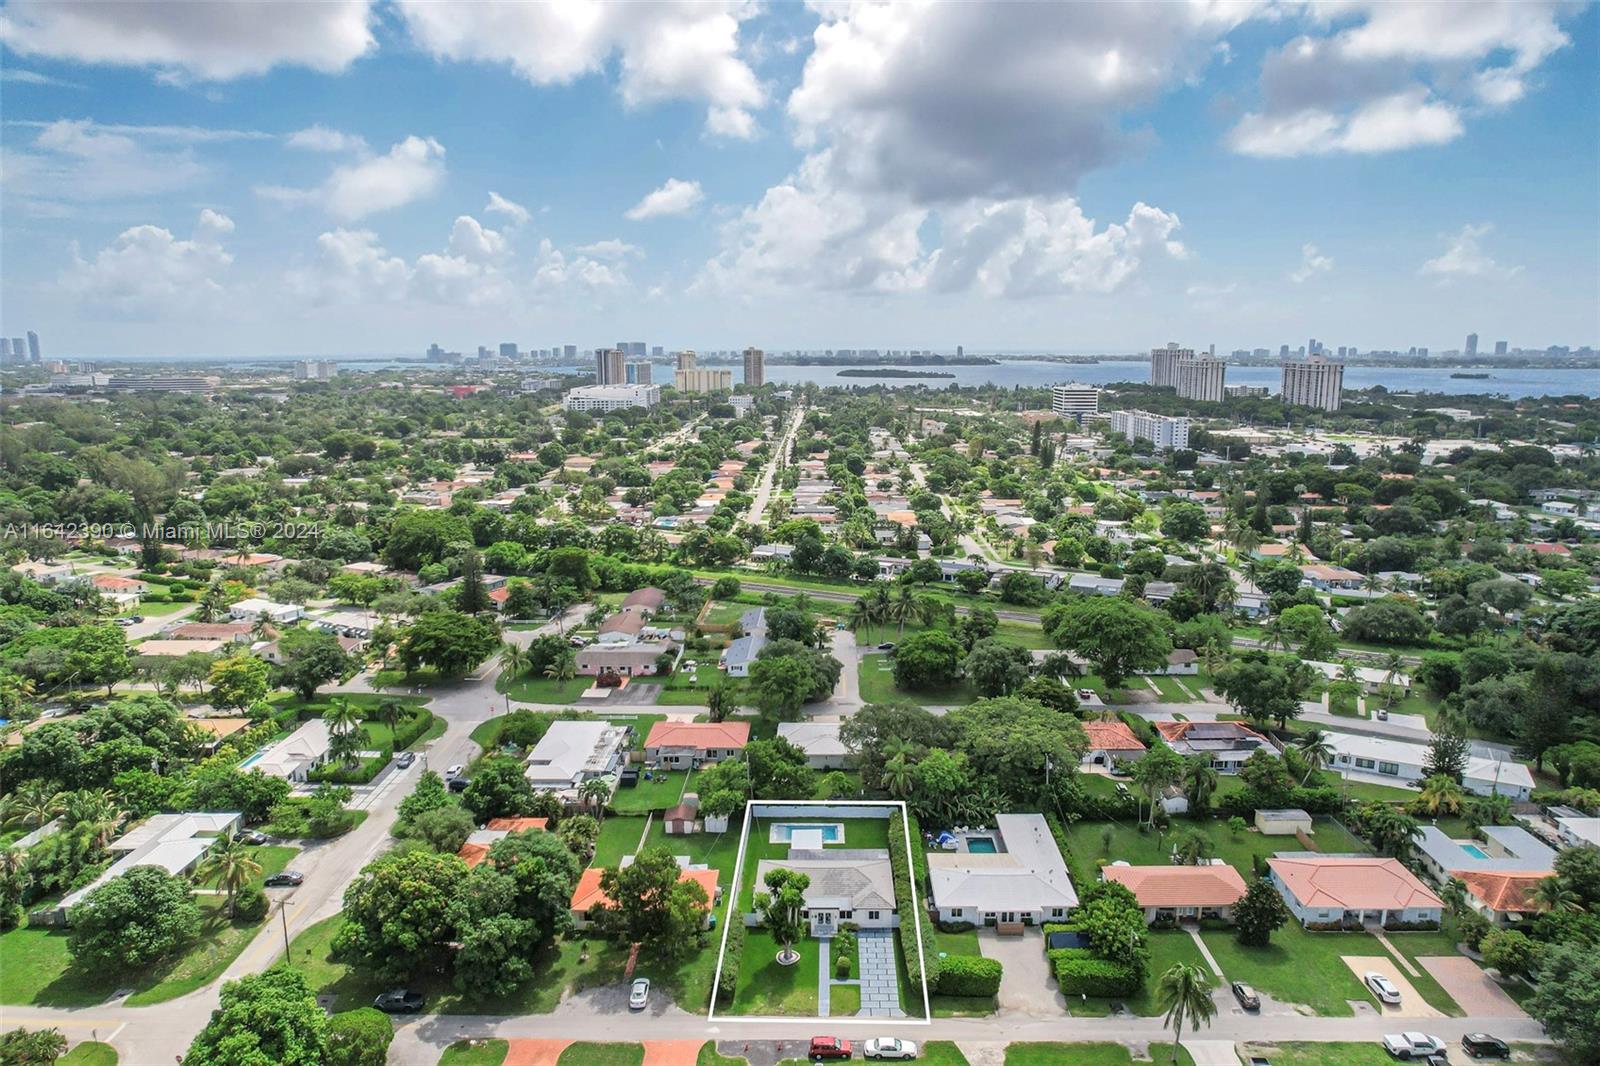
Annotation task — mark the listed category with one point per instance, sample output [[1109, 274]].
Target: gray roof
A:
[[744, 650], [1531, 855], [1028, 873], [814, 738], [844, 878]]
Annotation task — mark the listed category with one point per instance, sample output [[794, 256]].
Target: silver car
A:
[[888, 1047], [639, 994], [1382, 987]]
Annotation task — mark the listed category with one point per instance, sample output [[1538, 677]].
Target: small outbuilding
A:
[[1283, 823], [684, 818]]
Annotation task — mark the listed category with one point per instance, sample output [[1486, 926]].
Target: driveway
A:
[[1412, 1005], [1026, 986], [1473, 990]]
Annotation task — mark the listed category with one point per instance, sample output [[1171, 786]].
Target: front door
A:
[[1008, 916]]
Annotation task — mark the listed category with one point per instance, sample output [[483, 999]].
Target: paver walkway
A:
[[824, 976], [880, 988], [1205, 952], [671, 1052], [534, 1052]]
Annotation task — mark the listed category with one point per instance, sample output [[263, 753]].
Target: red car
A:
[[829, 1047]]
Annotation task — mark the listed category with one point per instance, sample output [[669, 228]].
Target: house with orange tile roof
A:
[[1335, 891], [589, 898], [1227, 744], [1110, 743], [1180, 892], [678, 745], [1502, 898], [478, 843]]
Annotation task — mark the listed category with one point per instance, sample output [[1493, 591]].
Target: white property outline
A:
[[738, 885]]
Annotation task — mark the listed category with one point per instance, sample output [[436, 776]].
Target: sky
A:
[[352, 177]]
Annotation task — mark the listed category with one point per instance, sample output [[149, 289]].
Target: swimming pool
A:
[[981, 846], [1475, 851], [782, 832], [251, 761]]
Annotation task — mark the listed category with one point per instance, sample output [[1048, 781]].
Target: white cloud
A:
[[610, 249], [1312, 263], [77, 160], [471, 242], [320, 138], [667, 50], [33, 77], [501, 206], [411, 170], [206, 41], [1464, 257], [349, 266], [673, 198], [147, 271], [1385, 76]]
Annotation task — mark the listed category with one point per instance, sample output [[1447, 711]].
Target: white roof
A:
[[1028, 874], [171, 841], [858, 880], [1370, 675], [257, 606], [569, 749], [305, 745], [1530, 855], [1408, 754], [814, 738], [1582, 828]]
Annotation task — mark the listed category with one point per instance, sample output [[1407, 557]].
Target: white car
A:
[[639, 994], [1405, 1046], [887, 1047], [1382, 987], [454, 771]]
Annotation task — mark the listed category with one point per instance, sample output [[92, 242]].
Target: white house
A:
[[296, 755], [1328, 891], [820, 741], [1370, 678], [1399, 762], [571, 753], [1009, 878], [279, 613], [853, 885], [1575, 828]]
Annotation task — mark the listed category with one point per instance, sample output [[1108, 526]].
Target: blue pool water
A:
[[981, 845], [251, 761], [1475, 851], [830, 833]]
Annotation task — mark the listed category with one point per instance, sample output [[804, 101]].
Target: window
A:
[[872, 916], [1365, 764], [955, 912], [1389, 768], [1057, 912], [846, 915]]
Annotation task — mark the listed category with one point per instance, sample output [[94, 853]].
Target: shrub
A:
[[923, 966], [956, 927], [969, 975], [249, 905], [359, 1038], [1080, 974], [732, 954]]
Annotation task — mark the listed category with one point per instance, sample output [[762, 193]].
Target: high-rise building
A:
[[1259, 353], [316, 370], [569, 352], [702, 379], [683, 360], [1283, 351], [656, 351], [1164, 364], [1499, 347], [18, 346], [1200, 379], [5, 347], [1164, 431], [1471, 349], [608, 367], [1423, 352], [1315, 347], [1075, 400], [1313, 383], [637, 373], [33, 347], [508, 349], [435, 354], [755, 367]]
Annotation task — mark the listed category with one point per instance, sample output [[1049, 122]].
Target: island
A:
[[891, 372]]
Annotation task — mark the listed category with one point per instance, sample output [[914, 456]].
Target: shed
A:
[[684, 818], [1283, 823]]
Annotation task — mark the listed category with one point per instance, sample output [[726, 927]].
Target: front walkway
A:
[[534, 1052], [880, 986]]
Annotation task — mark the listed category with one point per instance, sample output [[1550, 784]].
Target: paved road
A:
[[780, 456]]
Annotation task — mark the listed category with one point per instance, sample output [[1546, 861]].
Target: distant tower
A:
[[5, 347], [1499, 347], [755, 367], [1472, 343], [608, 366], [683, 360], [18, 347], [33, 347]]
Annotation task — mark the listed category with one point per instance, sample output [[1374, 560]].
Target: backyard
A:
[[1093, 843], [877, 686]]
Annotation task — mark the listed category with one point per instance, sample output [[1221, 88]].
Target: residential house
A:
[[1334, 891], [1574, 828], [1330, 578], [115, 585], [627, 660], [1095, 585], [1110, 743], [623, 627], [739, 655], [1010, 878], [279, 613], [571, 753], [1179, 661], [479, 841], [646, 602], [1370, 679], [820, 741], [1180, 893], [1500, 871], [683, 745], [296, 755], [219, 730], [854, 885], [1389, 761], [1226, 744], [45, 573], [588, 898], [172, 649], [231, 632]]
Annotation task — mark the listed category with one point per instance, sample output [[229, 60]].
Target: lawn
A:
[[877, 686], [719, 851], [844, 1000], [1332, 1054], [710, 1056], [475, 1053], [663, 790], [723, 613], [1090, 1055], [587, 1054], [1090, 844], [158, 609], [1299, 966], [274, 858], [543, 689], [1167, 947], [89, 1053], [766, 988], [956, 943], [619, 836], [943, 1053]]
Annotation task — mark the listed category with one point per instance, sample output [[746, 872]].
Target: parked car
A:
[[1484, 1046], [577, 641], [1382, 987], [286, 879], [405, 759], [639, 994], [399, 1001], [249, 836], [1246, 996], [457, 784], [1383, 714], [124, 621], [829, 1047], [1407, 1046], [454, 771], [888, 1047], [887, 645], [1088, 694]]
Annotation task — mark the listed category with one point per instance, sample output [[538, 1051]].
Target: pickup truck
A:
[[1408, 1046]]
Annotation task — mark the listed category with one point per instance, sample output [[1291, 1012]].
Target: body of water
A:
[[1011, 373]]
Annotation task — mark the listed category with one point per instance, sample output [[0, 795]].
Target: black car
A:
[[887, 645], [1246, 996], [457, 784], [250, 836], [286, 879], [1484, 1046], [399, 1001], [405, 759]]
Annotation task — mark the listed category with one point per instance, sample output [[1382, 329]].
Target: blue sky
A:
[[260, 178]]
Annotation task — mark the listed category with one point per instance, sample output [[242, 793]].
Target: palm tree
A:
[[1184, 993], [390, 712], [33, 804], [231, 865], [1275, 635], [719, 701], [564, 668], [901, 607], [1553, 894], [898, 777], [1394, 665], [93, 814], [341, 717], [1441, 795], [596, 791], [514, 659], [345, 746], [1199, 783], [1315, 749], [928, 609]]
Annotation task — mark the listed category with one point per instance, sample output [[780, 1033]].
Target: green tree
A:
[[448, 641], [238, 681], [1185, 521], [417, 538], [779, 686], [36, 1047], [652, 905], [1160, 767], [1509, 951], [132, 921], [398, 913], [1119, 637], [779, 770], [265, 1019], [231, 866], [1184, 994], [1016, 743], [1199, 783], [444, 829], [928, 660], [359, 1037], [1566, 1000], [780, 906], [471, 595], [1264, 687], [311, 659], [998, 667], [499, 789], [1258, 914]]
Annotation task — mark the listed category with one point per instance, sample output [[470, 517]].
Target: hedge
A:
[[732, 955], [415, 724], [969, 975], [1247, 801], [1079, 973], [926, 966], [1141, 728], [359, 774]]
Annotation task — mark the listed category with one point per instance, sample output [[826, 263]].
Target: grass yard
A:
[[475, 1053], [1091, 1055], [1299, 966], [587, 1054], [159, 609], [89, 1053], [619, 836], [529, 689], [766, 988], [274, 858], [723, 613], [956, 943], [663, 790], [858, 833], [710, 1056], [1092, 842], [719, 851], [877, 686], [943, 1053], [1167, 947], [1170, 692], [844, 1000], [1331, 1054]]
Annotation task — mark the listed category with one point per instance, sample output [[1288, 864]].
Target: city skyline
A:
[[366, 175]]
